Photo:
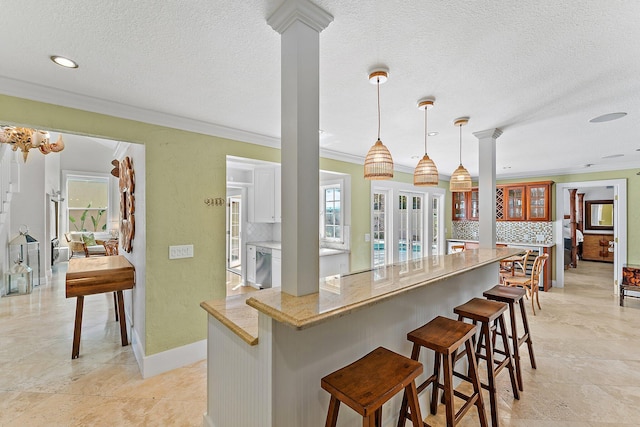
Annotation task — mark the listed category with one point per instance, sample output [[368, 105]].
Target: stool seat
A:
[[506, 294], [442, 335], [481, 310], [511, 295], [446, 337], [366, 384]]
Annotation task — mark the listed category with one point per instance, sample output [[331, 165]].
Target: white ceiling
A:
[[537, 70]]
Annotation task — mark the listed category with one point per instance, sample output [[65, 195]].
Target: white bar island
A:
[[267, 350]]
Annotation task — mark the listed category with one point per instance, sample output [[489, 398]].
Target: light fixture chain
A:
[[461, 144], [378, 83], [425, 130]]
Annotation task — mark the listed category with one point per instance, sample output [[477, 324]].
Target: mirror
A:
[[599, 215]]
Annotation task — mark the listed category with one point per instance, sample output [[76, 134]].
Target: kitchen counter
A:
[[278, 246], [340, 295], [515, 243], [235, 314], [301, 339]]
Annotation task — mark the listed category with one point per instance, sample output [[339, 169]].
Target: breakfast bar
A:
[[267, 351]]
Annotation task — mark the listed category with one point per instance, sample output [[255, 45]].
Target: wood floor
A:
[[587, 348]]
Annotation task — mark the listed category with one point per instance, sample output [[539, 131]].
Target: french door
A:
[[406, 225], [409, 230], [234, 244]]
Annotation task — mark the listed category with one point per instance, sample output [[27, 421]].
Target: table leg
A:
[[75, 352], [122, 320]]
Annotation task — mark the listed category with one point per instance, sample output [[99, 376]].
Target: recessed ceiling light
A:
[[415, 157], [588, 165], [436, 133], [637, 149], [64, 62], [613, 156], [506, 167], [607, 117]]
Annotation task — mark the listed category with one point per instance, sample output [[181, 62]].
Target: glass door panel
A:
[[379, 221], [234, 251]]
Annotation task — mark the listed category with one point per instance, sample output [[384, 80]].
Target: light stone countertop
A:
[[523, 243], [278, 246], [341, 295], [235, 314]]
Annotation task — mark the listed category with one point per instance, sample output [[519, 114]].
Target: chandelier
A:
[[26, 139]]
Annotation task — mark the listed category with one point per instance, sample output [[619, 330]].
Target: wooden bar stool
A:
[[490, 314], [510, 296], [366, 384], [445, 337]]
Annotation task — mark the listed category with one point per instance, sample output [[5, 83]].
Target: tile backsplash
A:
[[507, 231]]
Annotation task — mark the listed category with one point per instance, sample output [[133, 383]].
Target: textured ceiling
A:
[[537, 70]]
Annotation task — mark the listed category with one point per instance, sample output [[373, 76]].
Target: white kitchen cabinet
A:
[[334, 263], [251, 264], [277, 194], [276, 268], [266, 206]]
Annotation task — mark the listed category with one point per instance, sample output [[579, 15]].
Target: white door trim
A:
[[619, 226]]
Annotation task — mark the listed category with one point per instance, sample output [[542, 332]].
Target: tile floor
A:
[[587, 348]]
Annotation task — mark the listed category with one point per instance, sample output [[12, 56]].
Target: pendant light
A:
[[378, 164], [426, 172], [460, 180]]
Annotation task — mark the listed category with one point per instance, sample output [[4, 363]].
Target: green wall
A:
[[182, 169]]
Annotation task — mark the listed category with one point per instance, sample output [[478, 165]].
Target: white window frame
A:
[[66, 175], [344, 185]]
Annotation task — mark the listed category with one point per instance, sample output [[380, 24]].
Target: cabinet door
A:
[[500, 203], [277, 195], [459, 210], [538, 202], [276, 268], [251, 264], [515, 199], [263, 195], [474, 207]]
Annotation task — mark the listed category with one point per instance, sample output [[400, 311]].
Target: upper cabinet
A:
[[538, 206], [266, 195], [528, 201], [459, 208], [514, 203]]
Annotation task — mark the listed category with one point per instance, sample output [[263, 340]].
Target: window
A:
[[331, 216], [87, 203]]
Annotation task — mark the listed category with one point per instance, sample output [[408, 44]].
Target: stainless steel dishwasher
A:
[[263, 267]]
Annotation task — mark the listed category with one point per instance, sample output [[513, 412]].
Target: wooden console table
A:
[[88, 276]]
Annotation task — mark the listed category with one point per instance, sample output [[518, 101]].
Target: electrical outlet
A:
[[181, 251]]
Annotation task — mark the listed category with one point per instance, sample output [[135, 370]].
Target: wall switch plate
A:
[[367, 237], [181, 251]]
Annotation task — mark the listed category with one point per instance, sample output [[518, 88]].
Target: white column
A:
[[487, 186], [300, 22]]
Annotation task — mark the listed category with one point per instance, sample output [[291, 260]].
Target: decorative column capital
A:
[[489, 133], [299, 10]]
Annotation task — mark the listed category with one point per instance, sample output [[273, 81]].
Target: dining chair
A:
[[530, 283], [511, 268]]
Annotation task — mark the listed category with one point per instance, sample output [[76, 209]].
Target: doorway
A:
[[619, 237]]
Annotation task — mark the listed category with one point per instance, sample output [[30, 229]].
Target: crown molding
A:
[[49, 95], [299, 10]]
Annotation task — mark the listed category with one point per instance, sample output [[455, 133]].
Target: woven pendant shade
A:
[[460, 180], [426, 172], [378, 164]]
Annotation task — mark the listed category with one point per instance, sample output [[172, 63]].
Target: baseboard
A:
[[207, 421], [167, 360]]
